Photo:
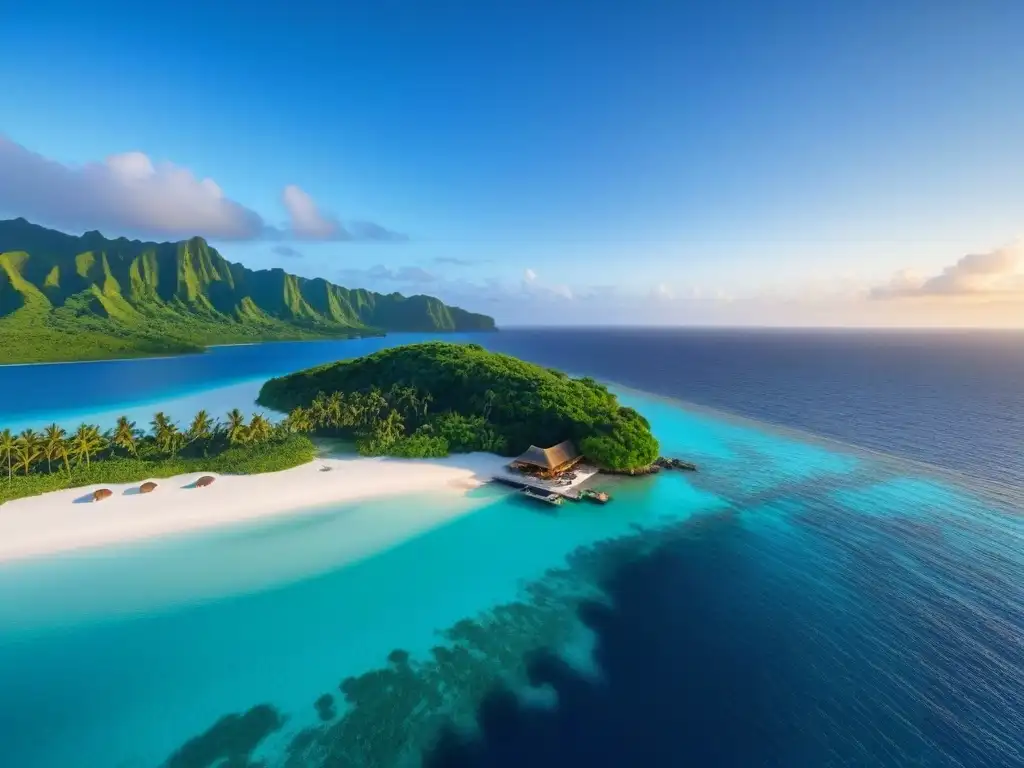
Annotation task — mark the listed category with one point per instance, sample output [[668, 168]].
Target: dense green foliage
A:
[[64, 297], [428, 399], [38, 462]]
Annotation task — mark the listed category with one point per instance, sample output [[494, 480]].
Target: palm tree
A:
[[171, 439], [160, 424], [392, 427], [259, 428], [86, 441], [318, 409], [7, 446], [235, 426], [407, 399], [425, 400], [28, 448], [335, 408], [55, 446], [299, 420], [126, 436], [165, 432], [178, 440], [352, 411], [201, 427], [373, 406]]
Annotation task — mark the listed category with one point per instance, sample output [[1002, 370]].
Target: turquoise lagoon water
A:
[[825, 606], [221, 379], [118, 656]]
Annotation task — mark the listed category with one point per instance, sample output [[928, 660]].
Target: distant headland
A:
[[65, 297]]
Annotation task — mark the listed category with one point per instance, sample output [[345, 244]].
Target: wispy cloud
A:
[[307, 221], [534, 287], [998, 274], [368, 231], [287, 251], [378, 274], [453, 261], [663, 292], [130, 193]]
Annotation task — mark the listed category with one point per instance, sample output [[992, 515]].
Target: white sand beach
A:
[[68, 520]]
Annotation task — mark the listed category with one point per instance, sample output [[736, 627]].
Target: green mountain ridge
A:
[[67, 297]]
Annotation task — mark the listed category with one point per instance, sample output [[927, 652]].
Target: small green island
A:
[[436, 398]]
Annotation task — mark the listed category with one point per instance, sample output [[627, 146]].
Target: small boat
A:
[[548, 498], [599, 497]]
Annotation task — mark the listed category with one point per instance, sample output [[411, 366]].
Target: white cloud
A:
[[534, 287], [129, 193], [998, 274], [379, 273], [307, 221], [125, 192], [663, 292]]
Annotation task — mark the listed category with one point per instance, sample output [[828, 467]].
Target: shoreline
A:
[[65, 521], [206, 347]]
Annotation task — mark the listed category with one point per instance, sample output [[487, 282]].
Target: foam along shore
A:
[[67, 520]]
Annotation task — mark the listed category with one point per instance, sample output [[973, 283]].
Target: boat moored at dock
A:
[[547, 498]]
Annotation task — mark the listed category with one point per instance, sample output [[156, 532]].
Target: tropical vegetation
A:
[[434, 398], [52, 459], [66, 297]]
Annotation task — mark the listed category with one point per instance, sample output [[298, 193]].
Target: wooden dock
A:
[[552, 494]]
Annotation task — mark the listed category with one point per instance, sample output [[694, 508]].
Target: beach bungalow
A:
[[548, 462]]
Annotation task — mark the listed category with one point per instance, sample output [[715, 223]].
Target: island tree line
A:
[[54, 449], [53, 458]]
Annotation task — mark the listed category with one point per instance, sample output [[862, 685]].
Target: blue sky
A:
[[728, 162]]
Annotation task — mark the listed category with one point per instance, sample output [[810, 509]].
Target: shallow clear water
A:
[[797, 602], [101, 391]]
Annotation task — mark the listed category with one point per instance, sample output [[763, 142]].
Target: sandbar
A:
[[62, 521]]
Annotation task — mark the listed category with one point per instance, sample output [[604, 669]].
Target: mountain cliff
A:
[[65, 297]]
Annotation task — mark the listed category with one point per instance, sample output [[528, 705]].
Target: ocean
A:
[[840, 584]]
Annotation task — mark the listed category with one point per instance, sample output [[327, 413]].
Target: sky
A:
[[547, 162]]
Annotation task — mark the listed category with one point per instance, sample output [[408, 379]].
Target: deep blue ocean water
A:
[[841, 584]]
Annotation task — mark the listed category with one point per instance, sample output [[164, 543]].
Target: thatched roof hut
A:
[[101, 494], [204, 481], [549, 461], [148, 487]]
